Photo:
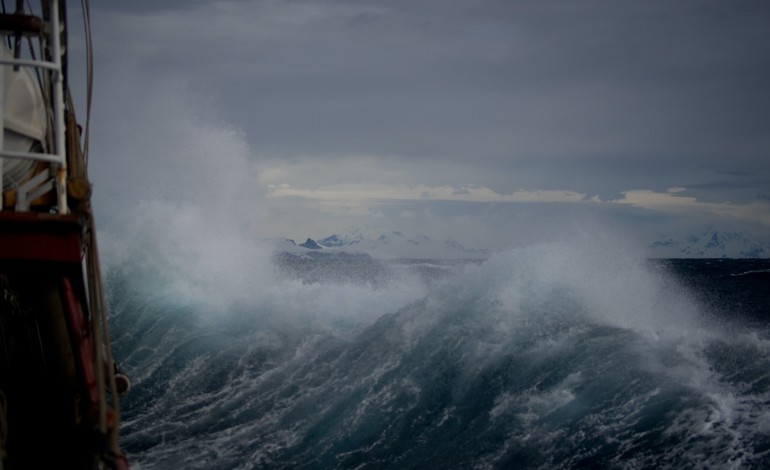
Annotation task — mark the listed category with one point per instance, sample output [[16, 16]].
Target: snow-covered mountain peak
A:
[[710, 242], [388, 245]]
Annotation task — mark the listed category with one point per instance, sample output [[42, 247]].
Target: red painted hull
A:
[[48, 374]]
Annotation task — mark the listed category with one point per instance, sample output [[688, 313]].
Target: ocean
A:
[[541, 357]]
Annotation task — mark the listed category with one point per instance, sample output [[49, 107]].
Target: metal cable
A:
[[89, 74]]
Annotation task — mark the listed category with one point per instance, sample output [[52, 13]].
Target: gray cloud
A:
[[598, 97], [602, 78]]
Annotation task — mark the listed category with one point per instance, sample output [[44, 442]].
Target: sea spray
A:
[[572, 354], [522, 360]]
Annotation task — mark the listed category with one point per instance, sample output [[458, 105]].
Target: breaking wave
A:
[[548, 356], [567, 355]]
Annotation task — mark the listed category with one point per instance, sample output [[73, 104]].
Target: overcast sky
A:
[[487, 121]]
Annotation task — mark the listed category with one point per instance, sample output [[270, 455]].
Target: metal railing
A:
[[43, 182]]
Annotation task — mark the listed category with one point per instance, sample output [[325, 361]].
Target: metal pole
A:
[[58, 111]]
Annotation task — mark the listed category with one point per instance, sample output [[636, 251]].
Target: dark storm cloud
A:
[[599, 97], [504, 81]]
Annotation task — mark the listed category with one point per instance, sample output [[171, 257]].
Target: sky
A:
[[493, 122]]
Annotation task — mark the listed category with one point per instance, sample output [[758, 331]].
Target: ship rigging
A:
[[59, 386]]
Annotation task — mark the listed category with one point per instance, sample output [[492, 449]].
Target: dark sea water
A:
[[544, 357]]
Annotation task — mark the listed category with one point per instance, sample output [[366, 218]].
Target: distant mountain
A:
[[706, 242], [387, 245], [310, 244], [335, 241], [710, 243]]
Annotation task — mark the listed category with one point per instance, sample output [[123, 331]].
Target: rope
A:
[[98, 306], [89, 74], [101, 318]]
